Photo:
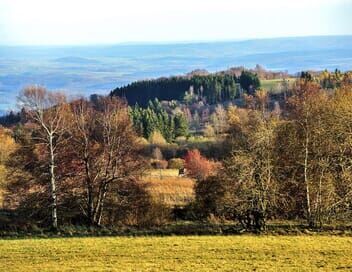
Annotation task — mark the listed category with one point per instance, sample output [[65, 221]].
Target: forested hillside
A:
[[211, 88]]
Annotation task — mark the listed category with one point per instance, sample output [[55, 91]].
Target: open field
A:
[[275, 86], [170, 190], [192, 253]]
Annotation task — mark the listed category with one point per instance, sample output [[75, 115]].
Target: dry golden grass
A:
[[181, 253], [162, 173], [170, 190]]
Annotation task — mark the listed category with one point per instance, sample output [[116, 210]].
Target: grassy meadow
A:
[[275, 86], [166, 186], [181, 253]]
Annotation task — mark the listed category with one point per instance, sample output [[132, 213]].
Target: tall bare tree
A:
[[219, 119], [250, 168], [106, 146]]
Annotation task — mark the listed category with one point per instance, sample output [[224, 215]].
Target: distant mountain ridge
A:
[[100, 69], [72, 59]]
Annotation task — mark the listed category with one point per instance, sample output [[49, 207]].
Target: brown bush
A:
[[176, 163], [132, 205], [156, 138], [159, 164]]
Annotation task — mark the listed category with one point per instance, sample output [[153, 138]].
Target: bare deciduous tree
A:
[[106, 145]]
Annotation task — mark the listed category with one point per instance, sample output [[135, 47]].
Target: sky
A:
[[86, 22]]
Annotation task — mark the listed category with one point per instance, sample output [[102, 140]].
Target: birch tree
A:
[[47, 112]]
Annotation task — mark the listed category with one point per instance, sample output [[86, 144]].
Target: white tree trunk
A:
[[52, 184]]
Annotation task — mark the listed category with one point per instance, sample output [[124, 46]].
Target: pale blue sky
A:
[[57, 22]]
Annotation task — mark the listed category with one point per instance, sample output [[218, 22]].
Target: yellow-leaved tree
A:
[[7, 146]]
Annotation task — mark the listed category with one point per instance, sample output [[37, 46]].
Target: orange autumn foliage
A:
[[199, 167]]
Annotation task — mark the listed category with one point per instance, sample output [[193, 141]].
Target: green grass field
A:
[[275, 86], [180, 253]]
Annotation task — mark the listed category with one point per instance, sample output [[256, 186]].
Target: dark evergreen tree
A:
[[249, 81], [181, 126], [153, 118], [306, 76]]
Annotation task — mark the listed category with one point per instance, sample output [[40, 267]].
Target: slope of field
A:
[[192, 253]]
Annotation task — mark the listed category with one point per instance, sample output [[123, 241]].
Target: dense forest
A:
[[155, 118], [211, 88]]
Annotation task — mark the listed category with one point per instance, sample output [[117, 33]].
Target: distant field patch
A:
[[191, 253], [169, 188], [276, 85]]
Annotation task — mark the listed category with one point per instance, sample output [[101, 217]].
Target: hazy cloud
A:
[[108, 21]]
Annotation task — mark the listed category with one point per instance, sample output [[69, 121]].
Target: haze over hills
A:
[[99, 69]]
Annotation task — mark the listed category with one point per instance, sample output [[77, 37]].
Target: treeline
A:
[[10, 119], [328, 80], [211, 88]]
